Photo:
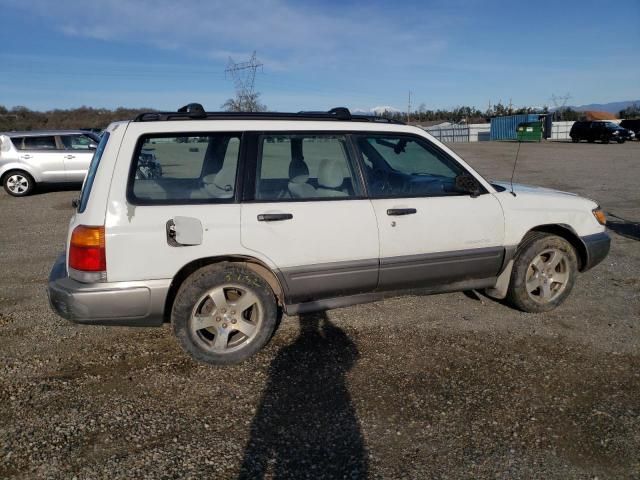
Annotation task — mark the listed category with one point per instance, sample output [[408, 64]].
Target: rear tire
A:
[[544, 273], [18, 183], [223, 314]]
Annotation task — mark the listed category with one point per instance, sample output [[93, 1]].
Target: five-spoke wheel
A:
[[224, 313], [18, 183], [543, 273]]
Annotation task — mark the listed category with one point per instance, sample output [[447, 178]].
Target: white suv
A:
[[255, 214]]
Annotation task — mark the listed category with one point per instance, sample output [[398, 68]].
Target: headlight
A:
[[600, 216]]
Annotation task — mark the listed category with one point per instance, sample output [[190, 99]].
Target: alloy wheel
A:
[[547, 276], [226, 318]]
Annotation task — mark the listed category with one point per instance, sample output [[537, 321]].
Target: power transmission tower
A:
[[409, 108], [560, 102], [244, 77]]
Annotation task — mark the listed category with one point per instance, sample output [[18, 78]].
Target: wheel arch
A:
[[12, 167], [249, 262], [570, 235]]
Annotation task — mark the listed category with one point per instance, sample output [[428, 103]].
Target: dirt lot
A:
[[418, 387]]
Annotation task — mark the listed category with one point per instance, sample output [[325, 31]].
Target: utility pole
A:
[[409, 108]]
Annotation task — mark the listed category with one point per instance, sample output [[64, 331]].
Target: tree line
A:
[[22, 118]]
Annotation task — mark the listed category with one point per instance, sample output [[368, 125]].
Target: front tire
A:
[[18, 183], [544, 273], [223, 314]]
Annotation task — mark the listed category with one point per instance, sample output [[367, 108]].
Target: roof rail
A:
[[195, 111]]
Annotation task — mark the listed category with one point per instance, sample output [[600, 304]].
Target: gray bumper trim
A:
[[137, 304], [597, 246]]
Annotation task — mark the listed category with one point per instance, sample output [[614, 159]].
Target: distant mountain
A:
[[375, 110], [612, 107]]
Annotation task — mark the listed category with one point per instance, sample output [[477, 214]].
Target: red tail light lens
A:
[[87, 252]]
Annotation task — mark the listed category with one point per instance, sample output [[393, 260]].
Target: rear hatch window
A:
[[93, 168]]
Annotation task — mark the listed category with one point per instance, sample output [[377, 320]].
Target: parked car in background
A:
[[53, 156], [633, 125], [259, 213], [604, 132]]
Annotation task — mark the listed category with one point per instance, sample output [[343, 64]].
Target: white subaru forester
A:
[[252, 214]]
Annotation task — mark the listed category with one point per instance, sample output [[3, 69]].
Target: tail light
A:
[[87, 251]]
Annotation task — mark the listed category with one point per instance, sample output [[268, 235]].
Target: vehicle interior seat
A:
[[330, 179], [298, 178]]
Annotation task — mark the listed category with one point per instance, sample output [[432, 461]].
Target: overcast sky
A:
[[318, 54]]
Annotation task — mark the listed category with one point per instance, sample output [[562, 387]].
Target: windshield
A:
[[611, 126], [88, 181]]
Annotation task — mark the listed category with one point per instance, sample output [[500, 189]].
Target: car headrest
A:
[[298, 171], [330, 173]]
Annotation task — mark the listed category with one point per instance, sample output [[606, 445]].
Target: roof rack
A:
[[195, 111]]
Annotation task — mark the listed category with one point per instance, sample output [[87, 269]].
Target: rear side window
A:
[[302, 166], [189, 168], [93, 168], [36, 143]]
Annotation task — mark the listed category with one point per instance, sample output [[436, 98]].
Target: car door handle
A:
[[401, 211], [69, 156], [26, 157], [274, 217]]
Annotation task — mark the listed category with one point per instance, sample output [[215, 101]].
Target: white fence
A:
[[560, 130]]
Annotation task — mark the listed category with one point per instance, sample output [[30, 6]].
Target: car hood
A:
[[521, 188]]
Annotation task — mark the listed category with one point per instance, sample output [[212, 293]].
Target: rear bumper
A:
[[137, 304], [597, 246]]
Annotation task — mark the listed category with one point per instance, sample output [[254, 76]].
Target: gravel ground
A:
[[444, 386]]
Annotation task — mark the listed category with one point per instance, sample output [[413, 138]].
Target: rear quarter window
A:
[[91, 174]]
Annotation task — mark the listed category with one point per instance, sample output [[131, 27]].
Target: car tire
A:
[[223, 314], [605, 140], [18, 183], [621, 140], [575, 139], [544, 272]]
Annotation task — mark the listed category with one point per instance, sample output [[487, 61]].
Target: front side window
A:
[[77, 142], [39, 143], [403, 166], [190, 168], [301, 166]]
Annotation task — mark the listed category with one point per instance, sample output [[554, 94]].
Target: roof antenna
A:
[[514, 166]]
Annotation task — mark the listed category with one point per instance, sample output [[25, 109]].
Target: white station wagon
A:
[[254, 214]]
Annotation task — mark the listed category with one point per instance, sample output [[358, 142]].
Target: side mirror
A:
[[92, 146], [468, 184]]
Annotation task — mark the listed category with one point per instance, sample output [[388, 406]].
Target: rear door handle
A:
[[401, 211], [26, 157], [69, 156], [274, 217]]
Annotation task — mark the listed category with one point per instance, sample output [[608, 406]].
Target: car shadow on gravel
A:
[[306, 425], [623, 227]]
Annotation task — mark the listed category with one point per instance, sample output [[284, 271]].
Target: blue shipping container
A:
[[505, 128]]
